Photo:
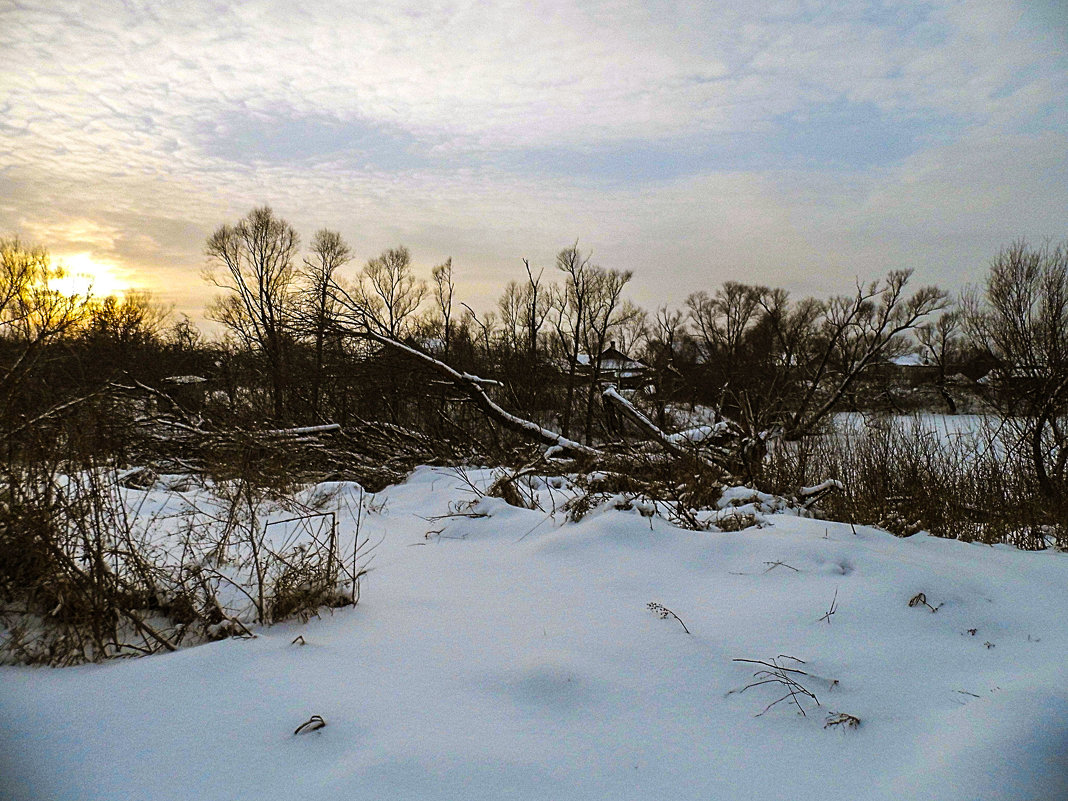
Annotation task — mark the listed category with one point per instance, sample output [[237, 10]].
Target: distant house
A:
[[914, 369], [617, 368], [1034, 381], [910, 369]]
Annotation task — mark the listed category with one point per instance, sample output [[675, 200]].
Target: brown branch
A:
[[473, 386], [651, 430]]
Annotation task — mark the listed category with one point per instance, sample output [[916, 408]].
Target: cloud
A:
[[509, 75], [244, 138], [700, 141]]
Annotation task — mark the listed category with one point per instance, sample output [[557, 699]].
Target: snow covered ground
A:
[[980, 429], [513, 656]]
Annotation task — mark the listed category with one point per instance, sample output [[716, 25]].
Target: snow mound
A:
[[500, 652]]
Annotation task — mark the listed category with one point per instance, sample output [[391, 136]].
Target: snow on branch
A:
[[822, 488], [699, 434], [817, 492], [302, 431], [673, 445], [473, 386], [611, 394]]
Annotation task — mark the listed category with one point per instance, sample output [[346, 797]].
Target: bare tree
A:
[[182, 335], [667, 326], [667, 329], [482, 331], [570, 304], [128, 320], [633, 328], [523, 309], [444, 289], [22, 267], [1022, 320], [793, 330], [510, 306], [391, 293], [723, 318], [535, 309], [942, 341], [32, 313], [605, 311], [722, 323], [253, 262], [31, 310], [853, 332], [319, 306]]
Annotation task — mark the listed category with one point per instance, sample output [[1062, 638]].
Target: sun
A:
[[86, 277]]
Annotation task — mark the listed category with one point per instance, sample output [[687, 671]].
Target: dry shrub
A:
[[735, 522], [300, 589], [903, 476], [85, 578]]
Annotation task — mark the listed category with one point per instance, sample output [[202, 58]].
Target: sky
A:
[[795, 144]]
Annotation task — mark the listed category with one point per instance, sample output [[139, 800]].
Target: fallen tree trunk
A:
[[644, 424], [655, 433], [810, 496], [473, 386]]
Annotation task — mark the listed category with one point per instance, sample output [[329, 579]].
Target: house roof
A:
[[615, 361], [909, 360], [614, 354]]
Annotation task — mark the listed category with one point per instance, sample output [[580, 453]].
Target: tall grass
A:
[[905, 475], [86, 575]]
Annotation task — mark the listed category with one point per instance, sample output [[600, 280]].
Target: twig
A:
[[920, 599], [664, 612], [842, 719], [314, 723], [773, 565], [774, 672], [833, 608]]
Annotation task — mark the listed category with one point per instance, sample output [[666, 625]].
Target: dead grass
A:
[[901, 476]]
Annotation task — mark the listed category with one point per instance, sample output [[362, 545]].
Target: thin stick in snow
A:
[[833, 608], [664, 613]]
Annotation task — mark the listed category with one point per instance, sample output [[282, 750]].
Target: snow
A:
[[823, 486], [513, 655], [698, 434], [978, 432], [185, 379], [909, 360], [610, 365]]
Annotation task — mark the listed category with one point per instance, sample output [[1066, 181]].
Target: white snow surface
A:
[[697, 433], [513, 656]]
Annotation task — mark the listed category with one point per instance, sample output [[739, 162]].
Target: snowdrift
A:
[[500, 652]]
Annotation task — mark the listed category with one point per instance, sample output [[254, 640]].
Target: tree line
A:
[[297, 346]]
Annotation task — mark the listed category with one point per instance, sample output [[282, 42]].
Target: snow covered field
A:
[[978, 430], [513, 655]]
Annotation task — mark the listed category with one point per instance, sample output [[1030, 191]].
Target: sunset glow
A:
[[789, 144], [83, 276]]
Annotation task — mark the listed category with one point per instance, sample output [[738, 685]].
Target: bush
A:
[[85, 575], [903, 475]]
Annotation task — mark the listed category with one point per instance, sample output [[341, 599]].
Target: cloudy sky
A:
[[798, 144]]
